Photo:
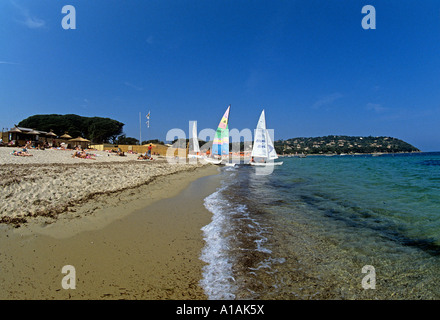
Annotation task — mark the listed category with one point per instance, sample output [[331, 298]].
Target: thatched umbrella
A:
[[52, 136], [65, 136], [33, 133], [15, 130], [81, 139], [84, 143]]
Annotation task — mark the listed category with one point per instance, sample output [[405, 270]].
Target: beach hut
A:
[[80, 142], [64, 139], [15, 134], [50, 138], [34, 135]]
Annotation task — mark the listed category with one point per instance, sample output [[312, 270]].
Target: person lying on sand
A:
[[144, 157], [82, 155], [22, 153]]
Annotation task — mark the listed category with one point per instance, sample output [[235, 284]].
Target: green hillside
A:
[[343, 144]]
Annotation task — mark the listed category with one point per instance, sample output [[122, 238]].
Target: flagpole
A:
[[140, 130], [148, 120]]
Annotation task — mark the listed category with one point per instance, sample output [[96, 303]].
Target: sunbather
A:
[[82, 155], [144, 157], [22, 153]]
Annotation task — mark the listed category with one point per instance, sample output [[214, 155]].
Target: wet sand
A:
[[139, 243]]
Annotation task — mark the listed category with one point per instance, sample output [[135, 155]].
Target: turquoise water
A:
[[307, 230]]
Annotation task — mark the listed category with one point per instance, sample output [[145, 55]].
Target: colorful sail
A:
[[220, 145]]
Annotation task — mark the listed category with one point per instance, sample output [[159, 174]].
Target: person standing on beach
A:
[[149, 150]]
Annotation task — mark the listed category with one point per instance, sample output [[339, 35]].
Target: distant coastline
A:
[[334, 144]]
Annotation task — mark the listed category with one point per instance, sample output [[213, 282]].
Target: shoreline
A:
[[142, 242]]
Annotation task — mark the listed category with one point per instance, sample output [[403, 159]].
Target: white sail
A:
[[260, 148], [272, 153], [195, 141], [263, 145]]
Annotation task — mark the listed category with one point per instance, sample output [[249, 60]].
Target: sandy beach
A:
[[51, 181], [130, 228]]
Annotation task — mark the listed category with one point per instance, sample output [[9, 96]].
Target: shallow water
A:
[[307, 230]]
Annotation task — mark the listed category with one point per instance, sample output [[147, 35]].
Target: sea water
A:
[[307, 230]]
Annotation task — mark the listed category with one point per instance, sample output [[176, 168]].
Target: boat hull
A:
[[268, 164], [212, 161]]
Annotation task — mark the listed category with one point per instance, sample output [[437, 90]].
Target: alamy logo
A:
[[69, 281], [69, 20], [369, 281], [177, 153], [369, 21]]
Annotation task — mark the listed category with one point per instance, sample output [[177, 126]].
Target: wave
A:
[[218, 281], [237, 241]]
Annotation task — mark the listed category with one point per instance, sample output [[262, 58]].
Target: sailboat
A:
[[193, 144], [263, 146], [220, 145]]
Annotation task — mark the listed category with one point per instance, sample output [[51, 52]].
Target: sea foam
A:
[[218, 281]]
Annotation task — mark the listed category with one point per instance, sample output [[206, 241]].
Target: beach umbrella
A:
[[15, 130], [65, 136], [50, 136], [34, 132], [81, 141]]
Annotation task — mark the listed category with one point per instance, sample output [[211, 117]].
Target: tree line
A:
[[96, 129], [343, 144]]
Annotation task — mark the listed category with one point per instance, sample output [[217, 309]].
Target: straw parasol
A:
[[50, 137], [81, 141], [16, 130], [65, 136], [34, 132]]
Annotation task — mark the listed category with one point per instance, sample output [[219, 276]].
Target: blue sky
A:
[[309, 64]]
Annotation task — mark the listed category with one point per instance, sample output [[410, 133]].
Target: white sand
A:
[[51, 181], [58, 156]]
